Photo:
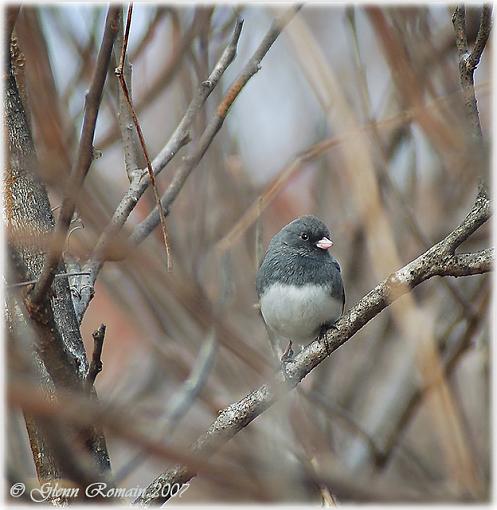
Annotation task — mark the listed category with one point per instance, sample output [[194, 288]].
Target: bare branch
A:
[[83, 161], [481, 38], [164, 78], [140, 182], [125, 120], [459, 22], [182, 400], [478, 215], [143, 229], [96, 362], [469, 61], [58, 345], [59, 275], [438, 259], [466, 264], [122, 82], [74, 408]]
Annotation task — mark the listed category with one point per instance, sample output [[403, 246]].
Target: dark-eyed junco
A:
[[299, 283]]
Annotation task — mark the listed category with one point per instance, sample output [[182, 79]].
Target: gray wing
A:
[[259, 277], [337, 289]]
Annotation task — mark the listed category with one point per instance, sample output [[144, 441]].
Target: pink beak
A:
[[324, 243]]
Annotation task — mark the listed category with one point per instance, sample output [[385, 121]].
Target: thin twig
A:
[[59, 275], [96, 361], [143, 229], [237, 416], [83, 161], [122, 81]]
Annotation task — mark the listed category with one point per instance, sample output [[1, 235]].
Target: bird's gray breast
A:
[[298, 312]]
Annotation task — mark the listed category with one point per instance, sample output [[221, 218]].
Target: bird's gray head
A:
[[307, 236]]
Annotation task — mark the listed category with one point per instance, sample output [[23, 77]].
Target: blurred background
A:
[[356, 116]]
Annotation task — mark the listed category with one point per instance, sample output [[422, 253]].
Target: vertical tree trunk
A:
[[60, 355]]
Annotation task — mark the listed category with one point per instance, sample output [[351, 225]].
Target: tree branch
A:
[[481, 38], [151, 175], [83, 161], [143, 229], [469, 61], [32, 282], [466, 264], [58, 347], [162, 80], [96, 362], [125, 121], [436, 261], [140, 181]]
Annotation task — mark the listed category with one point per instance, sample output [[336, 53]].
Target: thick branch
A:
[[83, 161], [436, 261], [466, 264]]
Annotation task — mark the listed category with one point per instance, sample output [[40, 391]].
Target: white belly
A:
[[297, 313]]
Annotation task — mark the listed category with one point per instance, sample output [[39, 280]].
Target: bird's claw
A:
[[286, 358], [288, 354]]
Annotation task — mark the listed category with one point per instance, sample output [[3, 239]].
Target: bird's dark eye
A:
[[304, 236]]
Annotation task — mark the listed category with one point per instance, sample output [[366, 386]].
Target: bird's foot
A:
[[286, 358], [288, 354], [323, 330]]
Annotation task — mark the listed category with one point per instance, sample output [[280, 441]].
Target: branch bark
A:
[[468, 61], [96, 362], [438, 260]]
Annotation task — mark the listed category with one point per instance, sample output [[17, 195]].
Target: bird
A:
[[299, 283]]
